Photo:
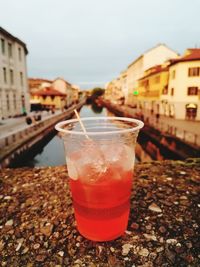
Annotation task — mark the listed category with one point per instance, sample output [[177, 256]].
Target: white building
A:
[[154, 56], [14, 94], [181, 99], [64, 87]]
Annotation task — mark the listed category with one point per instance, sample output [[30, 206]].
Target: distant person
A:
[[29, 120], [157, 117]]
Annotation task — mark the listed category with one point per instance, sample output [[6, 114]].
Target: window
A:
[[8, 101], [11, 77], [9, 49], [173, 74], [192, 90], [157, 79], [4, 75], [20, 53], [3, 46], [21, 79], [194, 71], [172, 91], [15, 101], [165, 90]]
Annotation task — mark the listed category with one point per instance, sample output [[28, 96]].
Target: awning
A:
[[191, 105], [34, 101]]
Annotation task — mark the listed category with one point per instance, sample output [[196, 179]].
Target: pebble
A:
[[25, 250], [169, 178], [1, 245], [126, 248], [112, 249], [134, 226], [20, 242], [46, 229], [40, 258], [144, 252], [150, 237], [162, 229], [61, 253], [171, 241], [154, 207], [183, 197], [9, 223], [159, 249], [36, 246], [7, 197]]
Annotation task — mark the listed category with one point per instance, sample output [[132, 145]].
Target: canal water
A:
[[53, 153]]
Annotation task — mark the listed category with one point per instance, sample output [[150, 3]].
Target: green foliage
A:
[[96, 92]]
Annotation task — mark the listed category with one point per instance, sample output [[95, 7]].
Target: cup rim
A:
[[139, 124]]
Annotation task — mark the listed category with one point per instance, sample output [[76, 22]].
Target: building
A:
[[37, 84], [150, 89], [68, 93], [124, 86], [49, 98], [14, 94], [181, 99], [154, 56]]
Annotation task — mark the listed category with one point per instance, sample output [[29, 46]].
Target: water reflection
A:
[[53, 153], [96, 108]]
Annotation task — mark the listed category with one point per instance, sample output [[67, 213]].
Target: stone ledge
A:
[[37, 226]]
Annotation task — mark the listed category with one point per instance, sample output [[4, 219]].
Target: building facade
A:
[[53, 92], [49, 98], [181, 99], [155, 56], [14, 93], [150, 89]]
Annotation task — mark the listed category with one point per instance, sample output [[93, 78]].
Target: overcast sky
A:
[[89, 42]]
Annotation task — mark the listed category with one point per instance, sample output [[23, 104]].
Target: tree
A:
[[96, 92]]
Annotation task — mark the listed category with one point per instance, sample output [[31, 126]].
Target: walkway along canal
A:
[[24, 144], [158, 144]]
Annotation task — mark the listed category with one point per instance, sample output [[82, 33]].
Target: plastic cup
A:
[[100, 172]]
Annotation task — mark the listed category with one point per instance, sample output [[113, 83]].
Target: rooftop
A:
[[48, 91], [13, 38], [190, 54]]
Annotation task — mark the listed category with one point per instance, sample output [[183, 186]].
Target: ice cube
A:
[[119, 154], [128, 158], [112, 152], [72, 171], [89, 162]]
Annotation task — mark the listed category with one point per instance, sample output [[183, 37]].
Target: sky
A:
[[89, 42]]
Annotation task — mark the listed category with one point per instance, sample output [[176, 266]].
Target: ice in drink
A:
[[100, 182], [100, 161]]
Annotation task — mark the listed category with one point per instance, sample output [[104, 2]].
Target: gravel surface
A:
[[37, 226]]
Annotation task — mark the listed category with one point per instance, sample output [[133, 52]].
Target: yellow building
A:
[[154, 56], [150, 88], [49, 98], [114, 91], [181, 100]]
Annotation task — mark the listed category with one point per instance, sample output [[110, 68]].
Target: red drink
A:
[[100, 155], [102, 205]]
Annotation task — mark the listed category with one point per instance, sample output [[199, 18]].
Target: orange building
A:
[[49, 98]]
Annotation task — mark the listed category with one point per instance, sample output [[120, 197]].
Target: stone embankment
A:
[[166, 144], [37, 225], [18, 145]]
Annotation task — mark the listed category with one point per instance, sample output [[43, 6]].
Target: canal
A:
[[52, 154]]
